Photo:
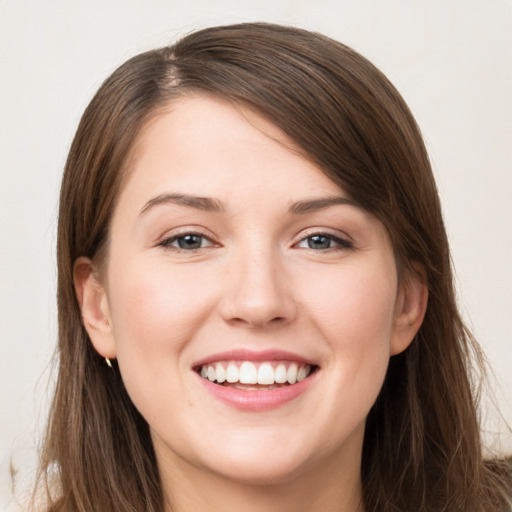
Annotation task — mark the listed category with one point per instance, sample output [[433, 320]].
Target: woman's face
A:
[[232, 258]]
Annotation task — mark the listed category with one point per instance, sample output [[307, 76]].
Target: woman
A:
[[256, 307]]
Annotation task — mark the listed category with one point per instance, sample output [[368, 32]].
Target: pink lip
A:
[[250, 355], [255, 400]]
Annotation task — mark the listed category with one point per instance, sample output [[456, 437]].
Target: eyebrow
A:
[[206, 204], [209, 204], [313, 205]]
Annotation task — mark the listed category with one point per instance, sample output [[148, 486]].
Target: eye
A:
[[187, 242], [323, 241]]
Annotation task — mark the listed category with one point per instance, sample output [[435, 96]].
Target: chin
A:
[[262, 470]]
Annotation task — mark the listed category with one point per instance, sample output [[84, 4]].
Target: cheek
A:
[[357, 322], [156, 311], [155, 306], [354, 306], [155, 314]]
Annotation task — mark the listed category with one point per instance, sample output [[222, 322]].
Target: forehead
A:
[[203, 144]]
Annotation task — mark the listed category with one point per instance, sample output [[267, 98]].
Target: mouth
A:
[[255, 375], [256, 381]]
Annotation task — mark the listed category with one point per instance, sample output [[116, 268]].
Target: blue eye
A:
[[322, 242], [187, 242]]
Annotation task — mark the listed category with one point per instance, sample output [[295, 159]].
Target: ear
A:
[[410, 309], [93, 302]]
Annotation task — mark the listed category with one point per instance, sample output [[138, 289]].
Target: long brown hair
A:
[[422, 447]]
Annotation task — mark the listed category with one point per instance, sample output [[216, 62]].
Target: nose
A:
[[258, 292]]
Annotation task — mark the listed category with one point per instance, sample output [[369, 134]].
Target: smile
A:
[[255, 381], [270, 374]]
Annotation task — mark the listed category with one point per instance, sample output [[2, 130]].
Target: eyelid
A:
[[343, 240], [172, 235]]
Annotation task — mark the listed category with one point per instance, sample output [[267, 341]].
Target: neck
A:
[[329, 488]]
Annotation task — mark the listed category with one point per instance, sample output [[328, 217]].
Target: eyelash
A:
[[167, 243], [340, 243]]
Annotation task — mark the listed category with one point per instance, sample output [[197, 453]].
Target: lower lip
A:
[[256, 400]]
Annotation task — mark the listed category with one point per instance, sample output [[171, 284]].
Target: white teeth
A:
[[302, 373], [292, 374], [248, 373], [266, 374], [220, 372], [232, 373], [281, 374]]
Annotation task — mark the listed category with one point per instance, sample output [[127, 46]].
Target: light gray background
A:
[[451, 59]]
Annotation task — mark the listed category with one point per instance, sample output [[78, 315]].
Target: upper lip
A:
[[252, 355]]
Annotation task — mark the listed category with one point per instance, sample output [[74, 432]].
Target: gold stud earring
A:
[[109, 364]]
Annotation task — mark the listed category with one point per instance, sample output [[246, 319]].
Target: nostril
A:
[[257, 309], [258, 322]]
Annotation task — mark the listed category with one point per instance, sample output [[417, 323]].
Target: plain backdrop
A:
[[451, 60]]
